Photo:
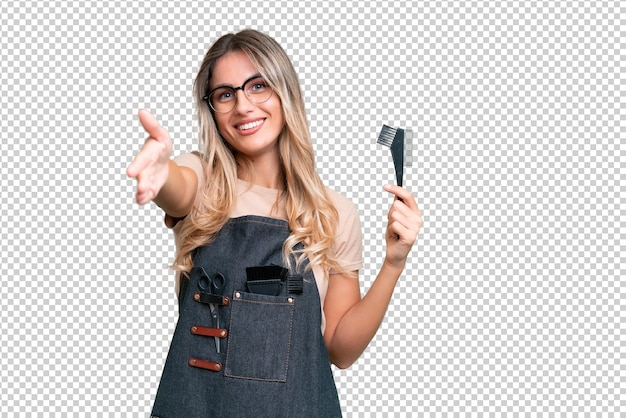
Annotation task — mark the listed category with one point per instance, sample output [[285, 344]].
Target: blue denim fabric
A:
[[274, 360]]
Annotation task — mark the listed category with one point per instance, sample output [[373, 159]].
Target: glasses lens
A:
[[223, 99], [258, 90]]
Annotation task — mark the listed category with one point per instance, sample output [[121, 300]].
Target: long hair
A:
[[311, 215]]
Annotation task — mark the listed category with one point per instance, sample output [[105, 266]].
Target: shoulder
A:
[[194, 161], [189, 159], [349, 220], [344, 206], [339, 200]]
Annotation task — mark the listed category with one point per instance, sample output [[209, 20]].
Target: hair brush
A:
[[398, 141]]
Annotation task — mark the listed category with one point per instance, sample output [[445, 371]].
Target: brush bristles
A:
[[295, 284], [386, 136]]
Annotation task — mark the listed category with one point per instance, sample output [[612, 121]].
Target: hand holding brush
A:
[[404, 222], [405, 216]]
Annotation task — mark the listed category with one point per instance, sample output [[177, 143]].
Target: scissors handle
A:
[[217, 283]]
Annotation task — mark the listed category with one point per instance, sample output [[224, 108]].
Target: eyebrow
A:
[[232, 87]]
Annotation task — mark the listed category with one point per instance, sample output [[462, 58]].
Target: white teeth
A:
[[250, 125]]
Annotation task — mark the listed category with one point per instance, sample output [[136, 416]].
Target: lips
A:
[[248, 126]]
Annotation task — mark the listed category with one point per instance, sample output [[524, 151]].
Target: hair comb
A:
[[399, 142]]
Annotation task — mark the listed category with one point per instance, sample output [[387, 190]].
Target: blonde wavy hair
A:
[[311, 215]]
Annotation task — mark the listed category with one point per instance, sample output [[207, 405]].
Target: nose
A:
[[243, 104]]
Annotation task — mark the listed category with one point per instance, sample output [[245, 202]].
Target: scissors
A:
[[215, 286]]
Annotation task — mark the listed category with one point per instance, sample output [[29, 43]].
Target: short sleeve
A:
[[349, 237], [193, 161]]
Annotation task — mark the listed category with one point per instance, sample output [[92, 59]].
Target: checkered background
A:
[[512, 297]]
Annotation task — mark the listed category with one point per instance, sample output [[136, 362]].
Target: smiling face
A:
[[252, 129]]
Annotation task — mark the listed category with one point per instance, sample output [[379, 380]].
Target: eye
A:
[[223, 95], [257, 85]]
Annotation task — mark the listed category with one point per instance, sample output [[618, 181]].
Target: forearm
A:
[[358, 326], [177, 195]]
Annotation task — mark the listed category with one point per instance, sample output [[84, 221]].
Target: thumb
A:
[[151, 125]]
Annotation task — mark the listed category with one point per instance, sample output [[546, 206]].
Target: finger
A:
[[141, 161], [403, 208], [410, 221], [149, 154], [135, 167], [145, 192], [151, 125], [404, 234], [141, 198], [406, 217], [144, 197], [402, 194]]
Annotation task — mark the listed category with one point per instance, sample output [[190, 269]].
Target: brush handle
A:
[[397, 154]]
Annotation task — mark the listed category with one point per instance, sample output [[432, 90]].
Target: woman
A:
[[268, 257]]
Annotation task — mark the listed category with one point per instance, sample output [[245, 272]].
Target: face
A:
[[250, 128]]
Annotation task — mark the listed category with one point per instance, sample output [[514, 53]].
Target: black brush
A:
[[398, 141], [266, 280], [269, 280], [295, 284]]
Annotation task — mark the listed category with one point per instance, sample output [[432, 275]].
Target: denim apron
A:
[[273, 360]]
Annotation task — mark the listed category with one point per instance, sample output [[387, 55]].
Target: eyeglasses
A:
[[223, 99]]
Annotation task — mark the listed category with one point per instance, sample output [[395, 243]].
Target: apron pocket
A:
[[259, 337]]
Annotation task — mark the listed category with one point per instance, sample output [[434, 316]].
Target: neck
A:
[[261, 172]]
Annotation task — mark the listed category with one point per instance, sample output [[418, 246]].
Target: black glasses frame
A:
[[207, 97]]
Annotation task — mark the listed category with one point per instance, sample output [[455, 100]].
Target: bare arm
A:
[[173, 188], [178, 194], [352, 322]]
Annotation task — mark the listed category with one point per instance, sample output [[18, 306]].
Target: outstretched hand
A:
[[404, 223], [151, 165]]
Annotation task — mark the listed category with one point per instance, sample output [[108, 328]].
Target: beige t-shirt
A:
[[261, 201]]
